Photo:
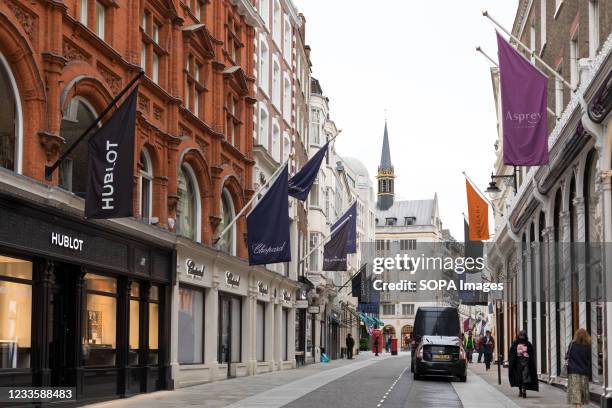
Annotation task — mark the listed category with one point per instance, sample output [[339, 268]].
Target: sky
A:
[[416, 60]]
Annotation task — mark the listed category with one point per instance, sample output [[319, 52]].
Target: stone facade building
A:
[[554, 288]]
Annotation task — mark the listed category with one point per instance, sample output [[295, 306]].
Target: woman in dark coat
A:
[[521, 365]]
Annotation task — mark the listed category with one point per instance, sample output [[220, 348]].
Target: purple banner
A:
[[524, 102]]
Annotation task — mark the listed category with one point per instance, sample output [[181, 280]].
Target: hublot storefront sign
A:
[[231, 280], [193, 270], [66, 241]]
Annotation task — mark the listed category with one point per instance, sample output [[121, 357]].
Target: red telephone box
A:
[[377, 340], [394, 347]]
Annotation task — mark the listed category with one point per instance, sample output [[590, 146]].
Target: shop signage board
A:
[[313, 309], [231, 280], [301, 304], [193, 270], [262, 288]]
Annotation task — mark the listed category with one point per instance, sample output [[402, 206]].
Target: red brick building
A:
[[68, 59]]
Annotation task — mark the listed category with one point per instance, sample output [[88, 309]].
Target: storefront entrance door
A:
[[63, 350], [229, 332]]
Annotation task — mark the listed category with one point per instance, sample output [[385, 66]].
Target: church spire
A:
[[385, 157], [386, 175]]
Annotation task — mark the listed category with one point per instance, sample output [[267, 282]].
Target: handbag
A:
[[566, 362]]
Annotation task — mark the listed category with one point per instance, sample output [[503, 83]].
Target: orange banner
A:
[[478, 214]]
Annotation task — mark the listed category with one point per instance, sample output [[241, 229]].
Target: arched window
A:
[[77, 118], [146, 186], [227, 243], [10, 119], [188, 208], [286, 146]]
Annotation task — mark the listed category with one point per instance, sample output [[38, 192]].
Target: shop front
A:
[[82, 305]]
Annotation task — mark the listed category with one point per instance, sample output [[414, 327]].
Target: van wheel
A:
[[416, 377], [462, 378]]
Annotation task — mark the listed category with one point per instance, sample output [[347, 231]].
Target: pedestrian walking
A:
[[468, 345], [479, 348], [521, 365], [487, 345], [350, 343], [578, 359], [388, 346]]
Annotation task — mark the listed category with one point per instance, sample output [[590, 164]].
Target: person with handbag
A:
[[578, 366], [521, 365]]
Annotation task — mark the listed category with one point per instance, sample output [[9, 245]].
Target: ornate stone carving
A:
[[239, 173], [74, 53], [51, 144], [214, 221], [113, 80], [185, 131], [157, 112], [143, 103], [25, 18], [203, 146]]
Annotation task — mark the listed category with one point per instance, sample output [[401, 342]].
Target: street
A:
[[367, 381]]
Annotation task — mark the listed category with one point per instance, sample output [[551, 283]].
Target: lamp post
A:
[[508, 178]]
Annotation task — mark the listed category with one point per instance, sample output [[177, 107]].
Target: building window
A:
[[100, 19], [314, 256], [264, 66], [188, 208], [200, 8], [155, 68], [558, 96], [9, 118], [276, 142], [409, 220], [314, 194], [276, 84], [155, 33], [593, 27], [287, 99], [574, 57], [231, 120], [153, 357], [230, 336], [315, 127], [264, 11], [261, 330], [190, 325], [264, 125], [143, 57], [16, 312], [146, 186], [78, 116], [390, 221], [288, 41], [542, 24], [286, 146], [99, 328], [389, 310], [227, 243], [407, 244], [134, 334], [408, 309], [83, 12], [276, 23]]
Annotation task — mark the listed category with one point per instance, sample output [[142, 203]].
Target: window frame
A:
[[17, 158], [198, 201], [149, 176]]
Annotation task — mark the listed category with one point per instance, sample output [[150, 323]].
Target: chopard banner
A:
[[268, 226], [111, 164], [301, 183]]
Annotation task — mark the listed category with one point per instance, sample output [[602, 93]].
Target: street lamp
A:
[[494, 190]]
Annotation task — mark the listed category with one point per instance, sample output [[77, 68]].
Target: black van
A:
[[433, 321]]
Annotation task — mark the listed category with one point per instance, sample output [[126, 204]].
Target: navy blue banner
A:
[[111, 164], [268, 225], [334, 252], [301, 183], [351, 242]]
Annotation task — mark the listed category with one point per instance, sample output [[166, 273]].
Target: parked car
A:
[[441, 356], [433, 321]]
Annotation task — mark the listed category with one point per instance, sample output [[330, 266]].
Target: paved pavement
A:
[[366, 381]]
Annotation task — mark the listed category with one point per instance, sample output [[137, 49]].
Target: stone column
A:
[[548, 235], [566, 287], [211, 332], [269, 332], [579, 256], [278, 338], [605, 194], [249, 327], [291, 335]]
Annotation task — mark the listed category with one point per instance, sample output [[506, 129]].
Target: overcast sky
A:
[[417, 60]]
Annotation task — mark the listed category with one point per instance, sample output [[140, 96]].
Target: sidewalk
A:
[[264, 390], [547, 397]]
